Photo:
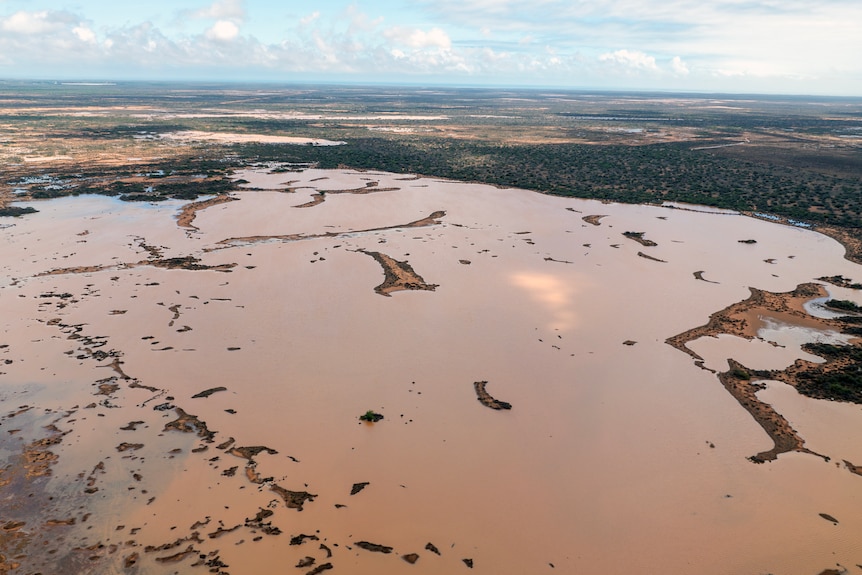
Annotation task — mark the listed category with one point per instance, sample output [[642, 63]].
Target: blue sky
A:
[[758, 46]]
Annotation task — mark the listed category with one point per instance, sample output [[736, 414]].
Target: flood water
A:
[[618, 456]]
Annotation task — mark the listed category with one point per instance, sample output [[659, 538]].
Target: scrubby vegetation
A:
[[16, 211], [629, 174], [371, 416], [844, 305], [843, 382]]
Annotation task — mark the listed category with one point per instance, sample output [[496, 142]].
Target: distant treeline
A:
[[630, 174]]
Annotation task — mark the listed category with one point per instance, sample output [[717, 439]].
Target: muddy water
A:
[[615, 457]]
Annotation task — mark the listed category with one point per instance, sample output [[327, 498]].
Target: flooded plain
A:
[[189, 395]]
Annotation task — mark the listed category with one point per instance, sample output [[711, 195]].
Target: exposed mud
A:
[[190, 211], [486, 399], [738, 383], [736, 319], [651, 258], [430, 220], [595, 219], [398, 275]]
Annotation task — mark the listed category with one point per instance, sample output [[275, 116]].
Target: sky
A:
[[730, 46]]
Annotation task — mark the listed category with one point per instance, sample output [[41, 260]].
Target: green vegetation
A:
[[841, 281], [843, 382], [740, 373], [16, 211], [844, 305], [370, 416], [177, 180], [629, 174]]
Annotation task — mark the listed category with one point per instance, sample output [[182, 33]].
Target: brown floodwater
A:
[[615, 457]]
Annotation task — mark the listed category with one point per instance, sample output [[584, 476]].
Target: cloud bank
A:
[[724, 45]]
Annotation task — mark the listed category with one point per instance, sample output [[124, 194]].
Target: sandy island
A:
[[741, 319]]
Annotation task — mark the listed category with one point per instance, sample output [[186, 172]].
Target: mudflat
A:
[[182, 385]]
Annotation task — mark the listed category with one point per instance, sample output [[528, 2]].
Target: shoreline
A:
[[851, 242]]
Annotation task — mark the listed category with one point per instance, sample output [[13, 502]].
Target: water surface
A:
[[619, 455]]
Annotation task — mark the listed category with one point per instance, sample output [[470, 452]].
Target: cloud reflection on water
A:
[[552, 293]]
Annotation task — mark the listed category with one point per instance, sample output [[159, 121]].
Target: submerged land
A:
[[200, 374]]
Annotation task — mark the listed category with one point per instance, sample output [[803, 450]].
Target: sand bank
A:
[[232, 138]]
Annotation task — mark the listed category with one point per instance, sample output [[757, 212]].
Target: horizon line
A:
[[106, 82]]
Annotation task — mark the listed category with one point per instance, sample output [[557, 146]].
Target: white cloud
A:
[[679, 67], [41, 22], [360, 22], [326, 52], [418, 39], [84, 34], [630, 59], [493, 57], [783, 39], [310, 18], [223, 31], [733, 45]]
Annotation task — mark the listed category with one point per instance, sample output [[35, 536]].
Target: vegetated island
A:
[[841, 281], [838, 379], [639, 238]]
